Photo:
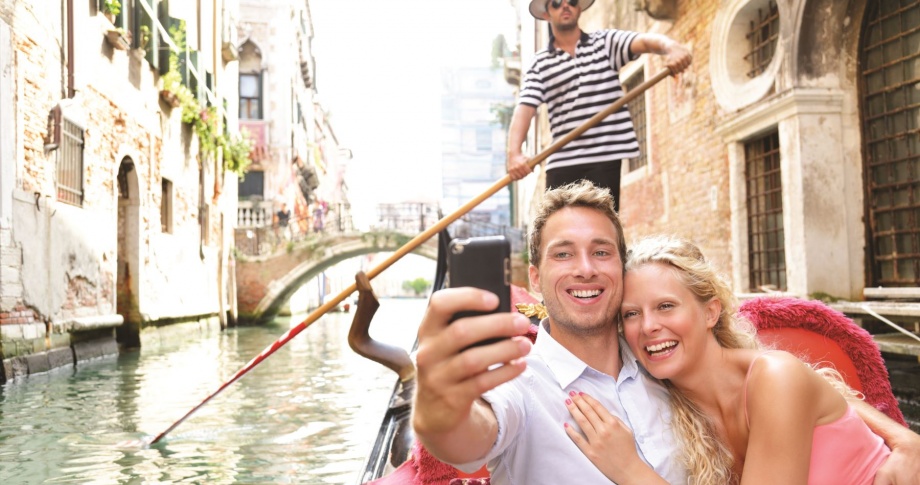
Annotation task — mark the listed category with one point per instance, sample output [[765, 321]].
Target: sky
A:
[[378, 75]]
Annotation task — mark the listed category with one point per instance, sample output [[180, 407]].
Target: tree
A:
[[418, 286]]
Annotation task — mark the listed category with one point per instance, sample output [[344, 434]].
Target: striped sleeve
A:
[[619, 43], [532, 86]]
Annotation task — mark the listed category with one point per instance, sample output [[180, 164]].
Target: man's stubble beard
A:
[[561, 318]]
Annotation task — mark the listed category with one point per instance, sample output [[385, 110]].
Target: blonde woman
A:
[[742, 414]]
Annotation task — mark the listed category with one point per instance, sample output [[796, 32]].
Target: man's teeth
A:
[[585, 293], [652, 349]]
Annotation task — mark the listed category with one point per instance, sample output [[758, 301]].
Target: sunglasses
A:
[[558, 3]]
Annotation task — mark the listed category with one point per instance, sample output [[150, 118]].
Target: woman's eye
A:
[[666, 306], [629, 314]]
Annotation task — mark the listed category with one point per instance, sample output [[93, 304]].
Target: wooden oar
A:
[[418, 240]]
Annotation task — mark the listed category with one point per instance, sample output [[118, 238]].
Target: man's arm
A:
[[449, 417], [903, 466], [517, 132], [677, 57]]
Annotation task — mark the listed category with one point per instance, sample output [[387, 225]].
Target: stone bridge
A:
[[264, 283]]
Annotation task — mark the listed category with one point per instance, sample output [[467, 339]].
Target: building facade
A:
[[788, 150], [116, 204], [473, 141], [297, 160]]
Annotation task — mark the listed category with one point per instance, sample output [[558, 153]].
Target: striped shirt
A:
[[576, 88]]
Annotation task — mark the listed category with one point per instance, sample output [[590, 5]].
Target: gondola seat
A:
[[819, 334]]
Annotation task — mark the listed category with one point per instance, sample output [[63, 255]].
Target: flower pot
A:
[[170, 98], [118, 39]]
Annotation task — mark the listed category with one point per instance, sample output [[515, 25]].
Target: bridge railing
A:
[[414, 218], [257, 233]]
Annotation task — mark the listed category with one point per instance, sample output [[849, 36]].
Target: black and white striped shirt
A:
[[577, 88]]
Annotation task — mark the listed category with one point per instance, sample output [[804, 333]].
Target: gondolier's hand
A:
[[678, 58], [518, 166], [448, 415]]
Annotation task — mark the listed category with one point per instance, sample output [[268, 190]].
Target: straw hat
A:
[[538, 7]]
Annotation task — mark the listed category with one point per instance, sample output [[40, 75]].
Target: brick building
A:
[[788, 151], [115, 214]]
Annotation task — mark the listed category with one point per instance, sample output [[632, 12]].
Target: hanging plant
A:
[[111, 8]]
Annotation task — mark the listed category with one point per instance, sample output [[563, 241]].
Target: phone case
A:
[[482, 262]]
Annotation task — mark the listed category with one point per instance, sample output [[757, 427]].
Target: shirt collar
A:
[[553, 50], [566, 367]]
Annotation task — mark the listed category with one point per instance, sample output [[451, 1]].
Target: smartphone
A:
[[481, 262]]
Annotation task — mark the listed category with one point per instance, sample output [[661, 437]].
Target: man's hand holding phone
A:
[[452, 373]]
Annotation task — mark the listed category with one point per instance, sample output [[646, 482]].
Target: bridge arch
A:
[[265, 283]]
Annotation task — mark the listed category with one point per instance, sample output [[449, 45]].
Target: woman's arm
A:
[[608, 443], [783, 405]]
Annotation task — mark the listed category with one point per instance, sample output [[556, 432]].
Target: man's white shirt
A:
[[532, 446]]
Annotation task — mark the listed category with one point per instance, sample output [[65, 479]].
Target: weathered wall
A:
[[694, 184], [60, 263]]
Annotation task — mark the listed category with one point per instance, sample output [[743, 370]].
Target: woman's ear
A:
[[713, 310]]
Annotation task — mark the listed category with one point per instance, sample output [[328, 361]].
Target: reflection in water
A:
[[307, 414]]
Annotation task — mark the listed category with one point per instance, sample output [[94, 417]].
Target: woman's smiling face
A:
[[665, 324]]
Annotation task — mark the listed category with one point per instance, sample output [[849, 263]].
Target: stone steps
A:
[[905, 314]]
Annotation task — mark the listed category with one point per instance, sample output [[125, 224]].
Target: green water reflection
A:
[[308, 414]]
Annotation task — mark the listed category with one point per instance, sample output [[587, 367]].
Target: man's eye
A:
[[602, 252], [562, 255]]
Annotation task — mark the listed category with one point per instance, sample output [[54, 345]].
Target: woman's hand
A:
[[607, 442]]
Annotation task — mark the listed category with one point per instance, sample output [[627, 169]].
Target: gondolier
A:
[[577, 76]]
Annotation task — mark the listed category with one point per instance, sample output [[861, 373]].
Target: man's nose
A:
[[585, 266]]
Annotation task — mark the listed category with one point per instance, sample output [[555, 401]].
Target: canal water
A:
[[307, 414]]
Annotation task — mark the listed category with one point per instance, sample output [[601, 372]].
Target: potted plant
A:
[[145, 37], [111, 9], [170, 91]]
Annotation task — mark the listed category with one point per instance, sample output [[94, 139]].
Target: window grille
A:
[[766, 249], [637, 112], [762, 39], [891, 136], [69, 165]]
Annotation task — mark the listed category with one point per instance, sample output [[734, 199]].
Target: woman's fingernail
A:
[[568, 401], [572, 393]]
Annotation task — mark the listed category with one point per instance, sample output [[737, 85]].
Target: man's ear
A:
[[534, 274]]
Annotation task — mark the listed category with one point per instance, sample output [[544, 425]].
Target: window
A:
[[762, 38], [637, 112], [766, 248], [69, 166], [166, 205], [250, 96], [252, 184], [891, 136]]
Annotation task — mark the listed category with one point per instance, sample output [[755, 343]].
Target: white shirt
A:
[[532, 446]]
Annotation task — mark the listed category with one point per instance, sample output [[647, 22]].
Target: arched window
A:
[[250, 82]]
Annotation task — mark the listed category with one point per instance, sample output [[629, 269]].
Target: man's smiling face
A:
[[580, 273]]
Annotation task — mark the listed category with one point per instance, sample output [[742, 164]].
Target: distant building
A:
[[116, 214], [475, 102], [279, 107]]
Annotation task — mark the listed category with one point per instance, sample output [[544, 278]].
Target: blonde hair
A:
[[576, 194], [706, 458]]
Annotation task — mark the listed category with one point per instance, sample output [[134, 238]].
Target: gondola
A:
[[807, 328]]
